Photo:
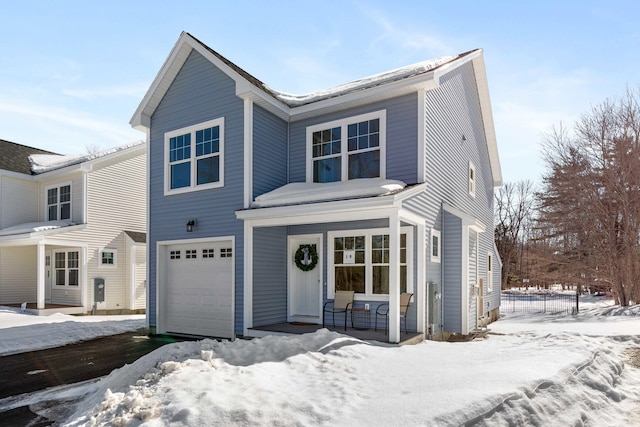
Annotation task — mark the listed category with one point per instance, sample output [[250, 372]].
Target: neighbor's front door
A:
[[305, 278]]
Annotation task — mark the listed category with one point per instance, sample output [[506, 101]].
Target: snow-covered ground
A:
[[530, 370]]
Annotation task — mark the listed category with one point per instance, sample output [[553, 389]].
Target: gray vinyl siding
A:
[[452, 111], [452, 272], [270, 276], [269, 151], [402, 138], [200, 92]]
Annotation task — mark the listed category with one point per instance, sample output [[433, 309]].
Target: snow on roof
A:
[[364, 83], [41, 163], [35, 227], [305, 192]]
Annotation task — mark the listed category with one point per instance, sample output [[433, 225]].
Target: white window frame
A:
[[368, 233], [58, 203], [472, 177], [193, 159], [489, 272], [437, 235], [381, 115], [66, 268], [115, 258]]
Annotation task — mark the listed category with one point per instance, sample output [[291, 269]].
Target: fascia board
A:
[[88, 165], [17, 175], [141, 119], [487, 119]]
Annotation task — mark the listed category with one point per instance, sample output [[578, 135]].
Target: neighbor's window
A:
[[194, 157], [435, 245], [359, 261], [67, 268], [108, 257], [472, 180], [347, 149], [59, 202]]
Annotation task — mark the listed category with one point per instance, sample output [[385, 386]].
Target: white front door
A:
[[305, 287]]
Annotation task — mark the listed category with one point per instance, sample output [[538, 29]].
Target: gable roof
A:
[[410, 79], [15, 157]]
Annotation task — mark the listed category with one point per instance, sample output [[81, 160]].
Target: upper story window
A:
[[472, 180], [59, 202], [347, 149], [194, 157]]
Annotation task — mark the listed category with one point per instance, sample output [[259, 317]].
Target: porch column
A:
[[394, 278], [248, 277], [420, 296], [40, 276]]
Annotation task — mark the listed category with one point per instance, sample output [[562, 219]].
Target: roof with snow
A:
[[311, 192], [41, 163], [15, 157], [401, 81], [356, 85]]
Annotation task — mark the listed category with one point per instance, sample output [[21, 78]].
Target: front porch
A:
[[299, 328], [32, 308]]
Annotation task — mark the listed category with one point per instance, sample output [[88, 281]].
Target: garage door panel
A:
[[199, 289]]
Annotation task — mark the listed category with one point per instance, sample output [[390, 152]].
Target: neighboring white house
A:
[[73, 230]]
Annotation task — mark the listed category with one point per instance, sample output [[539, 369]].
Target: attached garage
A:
[[196, 280]]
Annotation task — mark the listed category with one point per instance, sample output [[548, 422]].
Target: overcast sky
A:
[[72, 73]]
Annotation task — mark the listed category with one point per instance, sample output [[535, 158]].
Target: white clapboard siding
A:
[[19, 201]]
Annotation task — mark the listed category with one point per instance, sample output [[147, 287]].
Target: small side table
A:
[[361, 319]]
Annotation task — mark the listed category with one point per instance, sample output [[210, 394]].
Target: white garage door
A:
[[199, 289]]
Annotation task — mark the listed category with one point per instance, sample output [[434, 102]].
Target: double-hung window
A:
[[359, 261], [59, 202], [194, 157], [347, 149], [67, 268]]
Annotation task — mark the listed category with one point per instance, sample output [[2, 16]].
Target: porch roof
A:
[[33, 232], [331, 210]]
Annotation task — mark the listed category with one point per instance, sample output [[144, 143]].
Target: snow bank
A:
[[556, 373], [303, 192], [21, 332]]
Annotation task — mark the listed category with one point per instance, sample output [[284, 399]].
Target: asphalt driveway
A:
[[73, 363]]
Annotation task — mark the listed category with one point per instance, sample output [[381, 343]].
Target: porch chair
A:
[[342, 303], [383, 310]]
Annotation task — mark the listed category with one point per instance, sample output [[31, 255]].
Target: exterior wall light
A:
[[190, 225]]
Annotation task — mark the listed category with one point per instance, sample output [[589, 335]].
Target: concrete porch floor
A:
[[48, 309], [297, 328]]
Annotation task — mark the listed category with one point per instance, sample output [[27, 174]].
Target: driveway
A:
[[73, 363]]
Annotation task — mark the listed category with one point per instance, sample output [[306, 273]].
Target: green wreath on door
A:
[[306, 257]]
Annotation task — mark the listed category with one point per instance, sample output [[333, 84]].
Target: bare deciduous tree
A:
[[513, 209], [590, 207]]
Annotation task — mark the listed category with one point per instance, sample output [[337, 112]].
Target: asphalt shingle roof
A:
[[15, 157]]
